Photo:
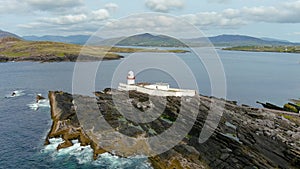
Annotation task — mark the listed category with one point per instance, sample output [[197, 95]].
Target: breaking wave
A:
[[39, 104], [15, 93], [84, 156]]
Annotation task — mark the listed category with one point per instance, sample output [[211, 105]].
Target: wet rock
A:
[[39, 97]]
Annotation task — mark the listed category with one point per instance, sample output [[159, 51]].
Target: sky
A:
[[258, 18]]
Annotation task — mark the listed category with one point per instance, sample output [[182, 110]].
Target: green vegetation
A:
[[188, 136], [297, 102], [285, 49], [177, 51], [294, 119], [15, 49], [291, 108], [167, 117]]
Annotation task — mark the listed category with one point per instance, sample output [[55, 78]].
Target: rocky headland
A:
[[15, 49], [244, 138]]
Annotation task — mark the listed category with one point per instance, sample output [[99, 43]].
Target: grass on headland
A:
[[296, 101], [19, 48], [294, 119], [16, 48]]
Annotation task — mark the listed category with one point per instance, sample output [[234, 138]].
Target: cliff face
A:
[[245, 137], [65, 123]]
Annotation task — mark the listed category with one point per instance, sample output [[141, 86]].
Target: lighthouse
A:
[[130, 78], [157, 89]]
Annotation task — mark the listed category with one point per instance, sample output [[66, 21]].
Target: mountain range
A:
[[151, 40], [73, 39], [147, 39], [4, 34], [240, 40]]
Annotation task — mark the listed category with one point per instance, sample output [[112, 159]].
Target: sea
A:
[[250, 77]]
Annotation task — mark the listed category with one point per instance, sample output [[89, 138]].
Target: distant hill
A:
[[147, 39], [235, 40], [136, 40], [273, 39], [240, 40], [151, 40], [4, 34], [73, 39], [221, 40]]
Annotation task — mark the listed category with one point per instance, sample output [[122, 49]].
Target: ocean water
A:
[[24, 123], [272, 77]]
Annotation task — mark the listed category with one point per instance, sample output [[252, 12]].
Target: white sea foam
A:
[[54, 142], [17, 93], [115, 162], [84, 155], [39, 104]]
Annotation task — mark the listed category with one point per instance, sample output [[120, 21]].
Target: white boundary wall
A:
[[158, 92]]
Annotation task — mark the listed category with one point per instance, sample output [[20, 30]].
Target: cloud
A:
[[219, 1], [57, 17], [100, 14], [48, 5], [112, 7], [89, 21], [66, 20], [75, 19], [32, 6], [164, 5], [296, 33], [228, 19], [7, 6], [288, 12], [150, 23], [48, 28]]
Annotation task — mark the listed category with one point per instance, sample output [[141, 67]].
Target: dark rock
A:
[[39, 97], [224, 156], [245, 137], [3, 58]]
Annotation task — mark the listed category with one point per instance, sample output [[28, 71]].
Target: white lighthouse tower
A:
[[157, 89], [130, 78]]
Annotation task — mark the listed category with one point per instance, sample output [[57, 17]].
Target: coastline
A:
[[75, 57], [270, 49], [241, 133], [49, 58], [13, 49]]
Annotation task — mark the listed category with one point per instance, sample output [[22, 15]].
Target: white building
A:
[[130, 78], [157, 89]]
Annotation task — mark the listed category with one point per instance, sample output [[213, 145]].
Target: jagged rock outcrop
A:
[[245, 137], [65, 123]]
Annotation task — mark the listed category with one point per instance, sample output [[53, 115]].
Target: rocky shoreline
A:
[[54, 58], [245, 137], [14, 49]]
